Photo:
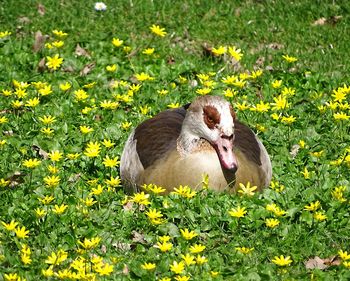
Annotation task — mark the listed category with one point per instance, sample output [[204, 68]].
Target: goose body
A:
[[179, 146]]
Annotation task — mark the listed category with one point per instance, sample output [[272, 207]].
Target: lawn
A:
[[75, 80]]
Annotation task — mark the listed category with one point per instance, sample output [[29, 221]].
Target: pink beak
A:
[[223, 147]]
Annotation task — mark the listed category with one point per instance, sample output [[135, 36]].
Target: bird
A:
[[178, 147]]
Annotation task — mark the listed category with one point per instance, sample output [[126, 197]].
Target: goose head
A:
[[211, 118]]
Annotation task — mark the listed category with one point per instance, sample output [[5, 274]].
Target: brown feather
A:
[[157, 136]]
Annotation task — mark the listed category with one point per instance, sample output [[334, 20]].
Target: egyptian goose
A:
[[178, 146]]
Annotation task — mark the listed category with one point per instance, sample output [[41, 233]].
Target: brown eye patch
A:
[[211, 116]]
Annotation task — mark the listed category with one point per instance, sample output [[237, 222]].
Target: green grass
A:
[[127, 235]]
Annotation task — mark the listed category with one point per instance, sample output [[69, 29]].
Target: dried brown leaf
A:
[[322, 264], [87, 69], [41, 9], [39, 41], [15, 179], [79, 51], [40, 152], [74, 177], [24, 20], [103, 249], [122, 246], [42, 65], [128, 206], [294, 151], [138, 237], [320, 21], [125, 270]]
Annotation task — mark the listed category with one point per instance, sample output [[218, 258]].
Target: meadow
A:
[[76, 77]]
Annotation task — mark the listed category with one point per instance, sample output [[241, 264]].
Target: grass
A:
[[91, 229]]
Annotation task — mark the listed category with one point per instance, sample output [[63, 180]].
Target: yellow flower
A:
[[188, 235], [55, 155], [173, 105], [282, 261], [108, 143], [90, 243], [341, 116], [45, 91], [56, 259], [6, 93], [201, 259], [247, 189], [3, 182], [141, 198], [148, 266], [276, 84], [272, 222], [58, 43], [197, 248], [203, 91], [219, 51], [17, 104], [114, 182], [60, 209], [117, 42], [143, 77], [238, 212], [111, 162], [104, 269], [47, 131], [47, 199], [47, 119], [256, 74], [52, 181], [10, 226], [80, 95], [289, 59], [182, 278], [39, 212], [261, 107], [59, 33], [235, 53], [157, 30], [111, 68], [92, 149], [154, 214], [164, 246], [21, 232], [32, 102], [54, 62], [229, 93], [338, 193], [177, 268], [184, 191], [188, 259], [288, 91], [85, 129], [313, 206], [12, 277], [148, 51], [320, 216], [244, 250], [280, 103], [89, 201], [162, 92], [73, 156], [126, 125], [214, 273], [65, 86], [275, 209], [306, 173], [288, 119], [4, 34], [31, 163], [96, 190], [344, 255]]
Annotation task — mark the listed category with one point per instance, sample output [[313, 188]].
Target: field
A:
[[76, 77]]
